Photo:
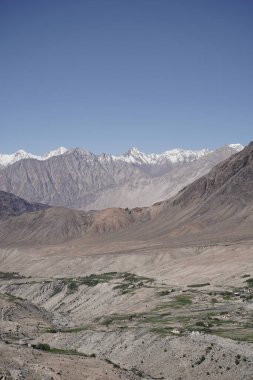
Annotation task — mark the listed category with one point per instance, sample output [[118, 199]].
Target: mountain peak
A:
[[56, 152], [237, 147], [20, 151], [9, 159], [133, 151]]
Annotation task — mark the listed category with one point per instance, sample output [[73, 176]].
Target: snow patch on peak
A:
[[132, 156], [182, 155], [20, 152], [236, 147], [9, 159], [55, 152], [135, 156], [133, 151]]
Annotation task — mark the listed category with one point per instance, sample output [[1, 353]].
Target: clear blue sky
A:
[[107, 75]]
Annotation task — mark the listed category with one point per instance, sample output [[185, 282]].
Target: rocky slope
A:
[[79, 179], [11, 205], [216, 205]]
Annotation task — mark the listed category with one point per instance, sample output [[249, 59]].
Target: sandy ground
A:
[[219, 264]]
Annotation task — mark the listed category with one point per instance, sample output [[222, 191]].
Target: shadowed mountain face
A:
[[231, 181], [218, 204], [11, 205], [82, 180]]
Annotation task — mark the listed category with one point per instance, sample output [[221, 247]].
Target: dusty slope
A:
[[19, 362], [48, 226], [56, 224]]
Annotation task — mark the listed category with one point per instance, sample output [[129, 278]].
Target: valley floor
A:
[[146, 313]]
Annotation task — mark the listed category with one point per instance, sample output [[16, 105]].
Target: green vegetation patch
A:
[[57, 289], [119, 318], [47, 348], [165, 305], [163, 331], [132, 282], [134, 278], [249, 282], [91, 280], [95, 279], [164, 293], [72, 287], [77, 329], [227, 295], [238, 334], [181, 300], [12, 298]]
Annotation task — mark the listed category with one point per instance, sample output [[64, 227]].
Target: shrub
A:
[[200, 323], [198, 285], [57, 289], [72, 287], [201, 359], [250, 282], [43, 347], [164, 293]]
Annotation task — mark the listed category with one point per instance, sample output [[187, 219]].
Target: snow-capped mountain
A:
[[77, 178], [8, 159], [53, 153], [132, 156]]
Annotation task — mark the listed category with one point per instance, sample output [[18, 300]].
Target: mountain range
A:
[[79, 179], [219, 204]]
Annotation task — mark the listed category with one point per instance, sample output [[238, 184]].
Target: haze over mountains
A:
[[79, 179]]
